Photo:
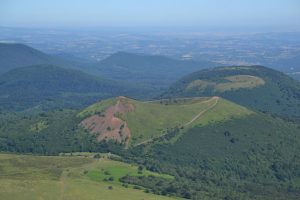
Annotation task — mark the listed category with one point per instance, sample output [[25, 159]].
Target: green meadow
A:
[[68, 177]]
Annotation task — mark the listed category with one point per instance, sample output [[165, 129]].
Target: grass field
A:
[[228, 83], [68, 177], [153, 119], [96, 108], [150, 120], [241, 81], [105, 169], [222, 112]]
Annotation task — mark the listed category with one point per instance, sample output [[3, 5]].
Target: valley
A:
[[146, 127]]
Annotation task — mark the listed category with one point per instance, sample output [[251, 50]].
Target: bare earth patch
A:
[[109, 125]]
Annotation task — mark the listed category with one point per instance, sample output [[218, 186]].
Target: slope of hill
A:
[[52, 86], [27, 177], [19, 55], [214, 148], [121, 120], [153, 72], [256, 87], [254, 157], [133, 122]]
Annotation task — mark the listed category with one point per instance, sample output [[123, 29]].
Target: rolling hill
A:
[[214, 148], [153, 72], [253, 157], [126, 121], [133, 122], [256, 87], [13, 55], [53, 87], [69, 177]]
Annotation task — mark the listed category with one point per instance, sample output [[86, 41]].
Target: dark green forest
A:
[[252, 158], [44, 87]]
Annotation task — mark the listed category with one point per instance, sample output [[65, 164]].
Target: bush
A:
[[136, 187], [97, 156]]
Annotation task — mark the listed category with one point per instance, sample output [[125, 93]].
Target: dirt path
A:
[[191, 121], [62, 183], [204, 111]]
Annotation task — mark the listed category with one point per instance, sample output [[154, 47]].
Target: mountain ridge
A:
[[36, 85], [155, 72], [15, 55]]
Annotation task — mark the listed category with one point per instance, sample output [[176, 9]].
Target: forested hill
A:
[[13, 55], [49, 86], [148, 70], [256, 87]]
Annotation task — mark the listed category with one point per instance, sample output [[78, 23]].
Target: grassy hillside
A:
[[227, 152], [155, 73], [70, 177], [65, 130], [255, 87], [152, 119], [54, 87]]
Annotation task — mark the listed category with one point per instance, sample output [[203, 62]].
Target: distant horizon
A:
[[220, 15], [162, 29]]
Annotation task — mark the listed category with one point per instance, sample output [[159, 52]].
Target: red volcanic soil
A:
[[108, 126]]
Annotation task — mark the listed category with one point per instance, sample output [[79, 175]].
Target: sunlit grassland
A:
[[67, 177], [152, 119]]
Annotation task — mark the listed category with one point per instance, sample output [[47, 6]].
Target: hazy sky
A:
[[136, 13]]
